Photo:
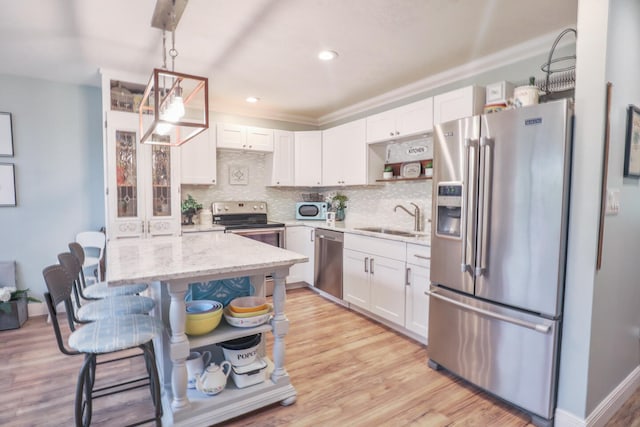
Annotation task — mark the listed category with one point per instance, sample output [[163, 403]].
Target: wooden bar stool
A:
[[106, 336]]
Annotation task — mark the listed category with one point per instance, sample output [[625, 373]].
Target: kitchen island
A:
[[169, 264]]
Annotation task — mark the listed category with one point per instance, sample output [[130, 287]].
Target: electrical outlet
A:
[[613, 202]]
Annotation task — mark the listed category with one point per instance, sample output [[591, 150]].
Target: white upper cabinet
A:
[[260, 139], [457, 104], [248, 138], [143, 189], [199, 159], [344, 154], [279, 163], [308, 159], [407, 120]]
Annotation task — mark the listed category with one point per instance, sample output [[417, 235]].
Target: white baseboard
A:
[[606, 409], [37, 309]]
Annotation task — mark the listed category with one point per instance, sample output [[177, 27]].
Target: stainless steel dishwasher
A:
[[328, 266]]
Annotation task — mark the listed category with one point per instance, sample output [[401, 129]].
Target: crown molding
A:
[[499, 59], [267, 115]]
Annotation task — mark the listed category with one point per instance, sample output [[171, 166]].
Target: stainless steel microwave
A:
[[311, 210]]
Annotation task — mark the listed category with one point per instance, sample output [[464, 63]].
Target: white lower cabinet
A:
[[301, 239], [355, 278], [388, 279], [417, 302], [374, 276]]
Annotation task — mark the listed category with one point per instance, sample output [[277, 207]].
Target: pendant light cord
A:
[[173, 52]]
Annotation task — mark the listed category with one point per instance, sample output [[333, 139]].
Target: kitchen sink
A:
[[393, 232]]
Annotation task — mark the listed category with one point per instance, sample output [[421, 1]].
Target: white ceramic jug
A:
[[195, 365], [214, 378]]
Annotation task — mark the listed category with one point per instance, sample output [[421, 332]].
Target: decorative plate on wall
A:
[[410, 170]]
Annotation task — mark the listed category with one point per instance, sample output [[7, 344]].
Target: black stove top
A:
[[242, 215]]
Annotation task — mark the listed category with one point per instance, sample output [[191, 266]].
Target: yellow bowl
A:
[[265, 310], [248, 304], [205, 320], [203, 325]]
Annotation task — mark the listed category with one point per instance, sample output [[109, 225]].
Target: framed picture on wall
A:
[[7, 185], [632, 143], [6, 135]]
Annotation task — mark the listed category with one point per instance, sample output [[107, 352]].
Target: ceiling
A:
[[268, 48]]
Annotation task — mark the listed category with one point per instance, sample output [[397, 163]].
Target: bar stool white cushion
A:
[[102, 290], [115, 306], [117, 333]]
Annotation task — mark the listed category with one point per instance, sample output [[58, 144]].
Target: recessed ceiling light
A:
[[252, 99], [327, 55]]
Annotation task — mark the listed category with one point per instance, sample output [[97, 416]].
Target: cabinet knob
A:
[[390, 133], [397, 133], [213, 180], [277, 182]]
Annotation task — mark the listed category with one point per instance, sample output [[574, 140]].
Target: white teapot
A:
[[214, 378]]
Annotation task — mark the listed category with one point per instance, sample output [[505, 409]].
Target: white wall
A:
[[615, 349], [57, 141], [600, 349]]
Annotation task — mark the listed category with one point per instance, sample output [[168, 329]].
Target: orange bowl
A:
[[248, 304]]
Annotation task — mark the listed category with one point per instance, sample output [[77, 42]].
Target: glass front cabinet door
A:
[[143, 197]]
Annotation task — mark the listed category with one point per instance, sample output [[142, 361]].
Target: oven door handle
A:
[[256, 231]]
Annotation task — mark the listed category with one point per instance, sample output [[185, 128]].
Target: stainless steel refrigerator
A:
[[498, 248]]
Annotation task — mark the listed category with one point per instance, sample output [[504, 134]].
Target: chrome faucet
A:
[[415, 214]]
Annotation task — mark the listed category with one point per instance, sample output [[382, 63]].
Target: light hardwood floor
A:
[[347, 370]]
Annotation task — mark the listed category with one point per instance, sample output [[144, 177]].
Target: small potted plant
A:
[[13, 307], [428, 168], [190, 207], [388, 172], [339, 203]]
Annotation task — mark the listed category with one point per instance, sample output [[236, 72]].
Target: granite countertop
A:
[[191, 255], [423, 238]]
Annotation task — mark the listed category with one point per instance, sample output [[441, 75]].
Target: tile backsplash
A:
[[370, 205]]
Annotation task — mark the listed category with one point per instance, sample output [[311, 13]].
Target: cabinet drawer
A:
[[382, 247], [418, 255]]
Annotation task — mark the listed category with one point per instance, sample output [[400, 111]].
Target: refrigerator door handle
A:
[[466, 209], [529, 325], [484, 199]]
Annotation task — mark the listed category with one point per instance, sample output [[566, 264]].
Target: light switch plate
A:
[[613, 202]]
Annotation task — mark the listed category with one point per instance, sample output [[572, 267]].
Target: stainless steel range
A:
[[248, 219]]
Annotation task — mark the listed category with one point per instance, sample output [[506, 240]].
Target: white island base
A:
[[195, 408], [170, 265]]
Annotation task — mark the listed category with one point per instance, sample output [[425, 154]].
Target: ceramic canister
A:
[[525, 95]]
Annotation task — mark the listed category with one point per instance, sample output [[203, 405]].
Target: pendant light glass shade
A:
[[174, 108]]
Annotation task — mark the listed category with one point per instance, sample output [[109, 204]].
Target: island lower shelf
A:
[[230, 402], [226, 332]]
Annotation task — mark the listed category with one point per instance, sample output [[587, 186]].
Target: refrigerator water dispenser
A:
[[449, 209]]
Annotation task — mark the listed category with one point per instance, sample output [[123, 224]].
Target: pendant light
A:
[[175, 106]]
